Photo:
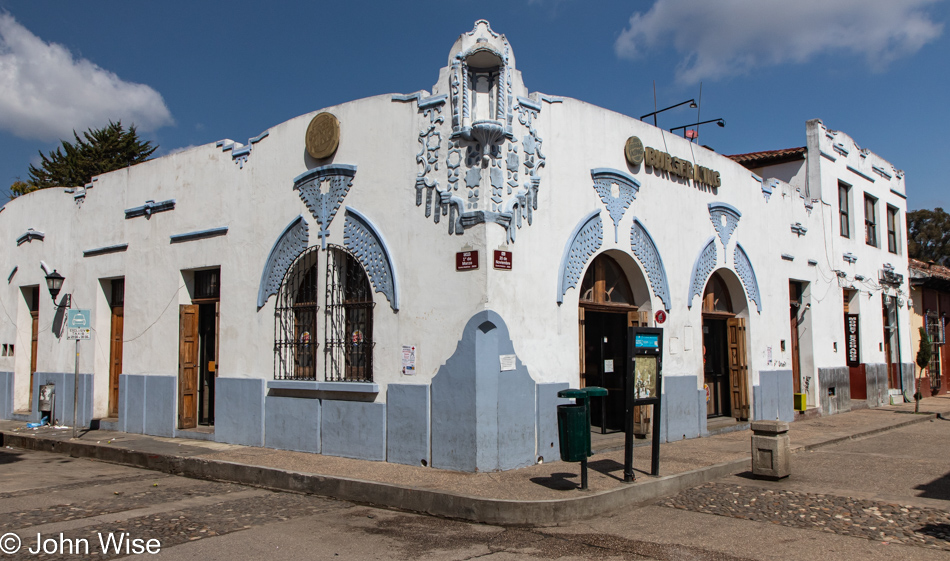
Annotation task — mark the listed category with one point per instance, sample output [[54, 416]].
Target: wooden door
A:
[[738, 368], [36, 335], [795, 298], [115, 359], [188, 367], [581, 347]]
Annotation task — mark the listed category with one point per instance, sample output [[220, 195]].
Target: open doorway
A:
[[198, 351], [32, 296], [725, 366], [606, 310]]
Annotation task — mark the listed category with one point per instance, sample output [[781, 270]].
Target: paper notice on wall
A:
[[609, 365], [409, 360], [507, 362]]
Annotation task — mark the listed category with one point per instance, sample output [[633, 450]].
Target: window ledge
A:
[[311, 385]]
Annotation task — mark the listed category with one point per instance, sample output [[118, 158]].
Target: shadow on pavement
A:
[[8, 457], [558, 481], [937, 489]]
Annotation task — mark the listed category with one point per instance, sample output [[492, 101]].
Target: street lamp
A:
[[691, 102], [54, 282], [720, 122]]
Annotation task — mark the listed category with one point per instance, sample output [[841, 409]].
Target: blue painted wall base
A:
[[483, 419], [834, 385], [6, 395], [148, 404], [64, 392], [774, 398], [681, 415], [549, 444], [292, 423], [407, 424], [354, 429], [239, 411]]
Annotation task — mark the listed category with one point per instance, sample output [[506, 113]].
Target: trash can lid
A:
[[590, 391], [595, 391]]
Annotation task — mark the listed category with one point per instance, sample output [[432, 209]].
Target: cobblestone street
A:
[[887, 522]]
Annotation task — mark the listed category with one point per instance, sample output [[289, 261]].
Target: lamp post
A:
[[691, 102], [720, 122], [54, 282]]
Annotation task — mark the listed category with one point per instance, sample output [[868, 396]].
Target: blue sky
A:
[[188, 73]]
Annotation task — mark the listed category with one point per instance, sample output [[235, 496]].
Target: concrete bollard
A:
[[770, 449]]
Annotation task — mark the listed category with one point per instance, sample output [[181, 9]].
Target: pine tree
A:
[[99, 151]]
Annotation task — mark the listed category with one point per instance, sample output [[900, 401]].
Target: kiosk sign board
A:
[[644, 386]]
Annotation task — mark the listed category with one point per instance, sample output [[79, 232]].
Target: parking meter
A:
[[644, 386]]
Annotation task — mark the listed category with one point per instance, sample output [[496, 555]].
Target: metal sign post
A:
[[644, 386], [77, 328]]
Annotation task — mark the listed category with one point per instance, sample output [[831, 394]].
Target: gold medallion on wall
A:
[[323, 136], [633, 151]]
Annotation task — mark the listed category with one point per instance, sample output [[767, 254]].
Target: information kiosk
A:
[[644, 386]]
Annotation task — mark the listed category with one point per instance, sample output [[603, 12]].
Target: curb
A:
[[919, 418], [413, 499], [425, 501]]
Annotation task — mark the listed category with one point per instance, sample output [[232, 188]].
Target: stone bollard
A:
[[770, 449]]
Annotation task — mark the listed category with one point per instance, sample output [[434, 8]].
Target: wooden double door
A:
[[725, 367]]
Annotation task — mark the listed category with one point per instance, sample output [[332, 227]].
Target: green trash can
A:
[[573, 423], [573, 432]]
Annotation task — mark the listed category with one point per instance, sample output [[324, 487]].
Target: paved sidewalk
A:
[[537, 495]]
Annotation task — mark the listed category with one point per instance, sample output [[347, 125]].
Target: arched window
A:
[[348, 348], [716, 299], [295, 321], [606, 283]]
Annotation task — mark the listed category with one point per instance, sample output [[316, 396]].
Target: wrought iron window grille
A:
[[348, 319], [295, 319]]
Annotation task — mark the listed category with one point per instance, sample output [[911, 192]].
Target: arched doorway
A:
[[607, 307], [725, 362]]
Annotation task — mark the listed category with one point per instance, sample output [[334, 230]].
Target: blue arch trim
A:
[[292, 242], [747, 275], [703, 266], [584, 241], [643, 246], [363, 239]]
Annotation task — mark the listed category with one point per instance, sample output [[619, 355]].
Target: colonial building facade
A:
[[413, 277]]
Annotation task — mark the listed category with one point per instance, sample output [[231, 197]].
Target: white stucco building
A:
[[314, 289]]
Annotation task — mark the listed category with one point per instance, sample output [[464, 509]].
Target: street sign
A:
[[78, 319], [502, 260], [78, 325], [466, 260]]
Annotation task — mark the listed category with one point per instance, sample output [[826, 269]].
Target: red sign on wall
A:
[[466, 260], [660, 316], [503, 260]]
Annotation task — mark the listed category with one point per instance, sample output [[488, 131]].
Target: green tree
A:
[[98, 151], [928, 234]]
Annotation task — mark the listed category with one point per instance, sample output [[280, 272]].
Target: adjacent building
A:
[[413, 277]]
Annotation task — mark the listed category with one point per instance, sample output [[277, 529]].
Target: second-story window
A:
[[870, 220], [844, 203], [891, 229]]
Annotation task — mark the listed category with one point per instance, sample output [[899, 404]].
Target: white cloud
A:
[[46, 93], [180, 149], [728, 37]]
